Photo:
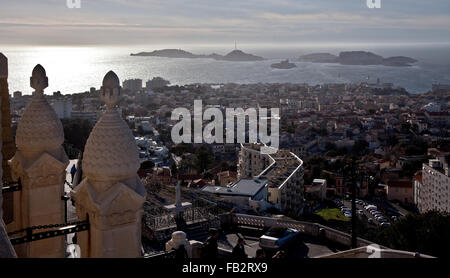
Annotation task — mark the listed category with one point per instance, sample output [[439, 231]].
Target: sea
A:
[[77, 69]]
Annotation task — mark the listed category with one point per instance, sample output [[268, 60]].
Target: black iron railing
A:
[[161, 255], [12, 186], [63, 229]]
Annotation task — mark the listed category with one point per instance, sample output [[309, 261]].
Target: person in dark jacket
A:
[[181, 253], [73, 171], [260, 254], [210, 248], [239, 250]]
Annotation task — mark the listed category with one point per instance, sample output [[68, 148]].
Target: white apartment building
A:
[[251, 161], [133, 85], [62, 107], [283, 170], [433, 193]]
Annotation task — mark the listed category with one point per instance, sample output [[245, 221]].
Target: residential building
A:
[[283, 170], [226, 177], [400, 190], [132, 85], [434, 192], [244, 192], [317, 190], [62, 107]]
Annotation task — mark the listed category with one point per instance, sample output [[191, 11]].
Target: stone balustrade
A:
[[312, 229], [371, 252]]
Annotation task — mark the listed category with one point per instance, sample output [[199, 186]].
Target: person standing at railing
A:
[[210, 248], [260, 254], [73, 170], [181, 253], [239, 250]]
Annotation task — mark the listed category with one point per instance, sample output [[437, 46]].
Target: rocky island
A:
[[283, 65], [358, 58], [235, 55]]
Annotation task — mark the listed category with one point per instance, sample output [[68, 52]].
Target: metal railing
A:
[[12, 186], [161, 255], [64, 229]]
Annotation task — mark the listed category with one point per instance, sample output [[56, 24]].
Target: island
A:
[[358, 58], [318, 58], [234, 56], [283, 65]]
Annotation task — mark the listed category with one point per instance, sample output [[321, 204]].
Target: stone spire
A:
[[110, 152], [40, 162], [39, 128], [8, 146], [3, 66], [111, 195], [3, 76]]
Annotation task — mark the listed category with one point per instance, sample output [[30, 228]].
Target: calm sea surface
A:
[[73, 70]]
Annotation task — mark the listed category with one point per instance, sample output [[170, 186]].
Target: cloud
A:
[[124, 21]]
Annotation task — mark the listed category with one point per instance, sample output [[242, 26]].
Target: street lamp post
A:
[[353, 213], [350, 171]]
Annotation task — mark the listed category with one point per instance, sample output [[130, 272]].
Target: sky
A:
[[279, 22]]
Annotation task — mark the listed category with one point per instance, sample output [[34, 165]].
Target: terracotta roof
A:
[[418, 177], [400, 183], [227, 174]]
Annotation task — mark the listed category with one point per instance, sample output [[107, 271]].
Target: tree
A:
[[182, 148], [203, 159], [76, 133], [424, 233]]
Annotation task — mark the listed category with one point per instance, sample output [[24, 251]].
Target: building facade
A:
[[283, 170], [433, 193], [133, 85]]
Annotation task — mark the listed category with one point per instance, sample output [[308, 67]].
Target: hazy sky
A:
[[122, 22]]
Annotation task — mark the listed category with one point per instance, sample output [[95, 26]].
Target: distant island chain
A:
[[344, 58]]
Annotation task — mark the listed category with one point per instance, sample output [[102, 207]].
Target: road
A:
[[387, 208]]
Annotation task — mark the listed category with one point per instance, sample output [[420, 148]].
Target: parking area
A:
[[375, 213]]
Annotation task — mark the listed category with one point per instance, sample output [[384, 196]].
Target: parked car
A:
[[278, 237], [381, 219], [370, 207], [394, 217], [348, 214], [360, 212], [370, 220], [385, 224]]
